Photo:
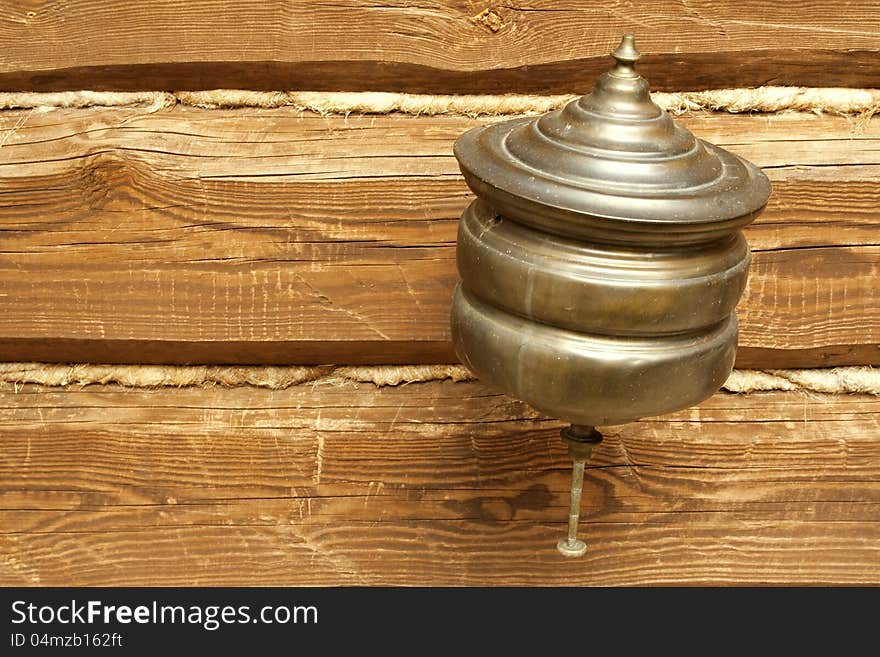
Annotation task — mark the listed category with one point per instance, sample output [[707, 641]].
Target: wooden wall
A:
[[271, 236], [434, 46], [432, 483], [175, 235]]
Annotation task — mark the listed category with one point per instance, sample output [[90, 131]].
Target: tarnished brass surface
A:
[[586, 378], [602, 261], [599, 288]]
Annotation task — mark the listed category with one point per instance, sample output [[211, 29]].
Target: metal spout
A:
[[580, 440]]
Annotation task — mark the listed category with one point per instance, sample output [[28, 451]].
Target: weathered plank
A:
[[270, 236], [435, 483], [440, 46]]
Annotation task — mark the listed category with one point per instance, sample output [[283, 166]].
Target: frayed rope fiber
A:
[[840, 101], [272, 377], [864, 380]]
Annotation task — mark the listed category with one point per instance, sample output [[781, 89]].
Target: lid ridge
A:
[[608, 161]]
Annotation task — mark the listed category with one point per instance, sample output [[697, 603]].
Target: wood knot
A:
[[489, 20]]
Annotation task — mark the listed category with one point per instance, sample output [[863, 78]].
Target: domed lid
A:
[[612, 165]]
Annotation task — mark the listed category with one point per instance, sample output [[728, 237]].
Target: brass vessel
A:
[[602, 260]]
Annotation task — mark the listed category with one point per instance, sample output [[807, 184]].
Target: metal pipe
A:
[[573, 546], [581, 440]]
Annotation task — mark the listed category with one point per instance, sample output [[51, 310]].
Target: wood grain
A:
[[431, 47], [432, 484], [272, 236]]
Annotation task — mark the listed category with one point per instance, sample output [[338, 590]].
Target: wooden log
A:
[[446, 46], [249, 236], [433, 484]]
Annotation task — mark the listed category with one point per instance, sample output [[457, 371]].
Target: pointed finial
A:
[[626, 56]]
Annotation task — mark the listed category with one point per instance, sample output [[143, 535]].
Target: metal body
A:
[[603, 258]]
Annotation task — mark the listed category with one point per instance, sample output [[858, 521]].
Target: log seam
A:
[[863, 103], [862, 380]]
